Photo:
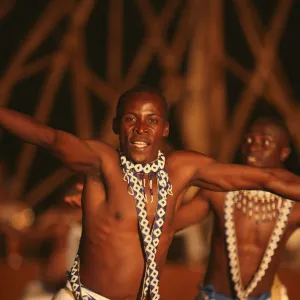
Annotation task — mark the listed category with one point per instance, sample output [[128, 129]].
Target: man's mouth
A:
[[255, 161], [251, 159], [140, 144]]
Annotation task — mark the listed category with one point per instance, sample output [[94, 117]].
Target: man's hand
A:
[[74, 199]]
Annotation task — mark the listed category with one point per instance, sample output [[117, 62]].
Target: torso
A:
[[252, 240], [111, 257]]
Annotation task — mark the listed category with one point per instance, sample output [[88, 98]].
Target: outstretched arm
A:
[[192, 212], [284, 183], [76, 154], [215, 176]]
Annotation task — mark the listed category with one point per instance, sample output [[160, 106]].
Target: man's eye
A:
[[153, 121], [129, 119]]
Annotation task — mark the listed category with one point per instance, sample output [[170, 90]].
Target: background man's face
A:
[[263, 145]]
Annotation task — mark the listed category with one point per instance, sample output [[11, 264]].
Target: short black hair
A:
[[279, 122], [266, 112], [141, 88]]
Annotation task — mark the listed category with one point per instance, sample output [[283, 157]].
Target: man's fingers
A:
[[73, 201], [79, 186]]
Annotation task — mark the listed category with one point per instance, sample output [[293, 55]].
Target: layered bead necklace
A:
[[260, 205], [134, 175], [242, 200]]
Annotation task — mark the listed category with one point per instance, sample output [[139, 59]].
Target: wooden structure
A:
[[192, 60]]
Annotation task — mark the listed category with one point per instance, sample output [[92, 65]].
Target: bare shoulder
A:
[[101, 148], [108, 156], [188, 158], [186, 166]]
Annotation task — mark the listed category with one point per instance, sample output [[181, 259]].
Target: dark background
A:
[[25, 94]]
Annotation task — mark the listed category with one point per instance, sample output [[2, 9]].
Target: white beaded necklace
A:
[[232, 247], [150, 236], [261, 205]]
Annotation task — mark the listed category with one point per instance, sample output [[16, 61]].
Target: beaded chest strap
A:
[[133, 175], [74, 280], [232, 248], [262, 206]]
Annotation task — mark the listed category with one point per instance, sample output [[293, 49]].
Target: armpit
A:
[[95, 171]]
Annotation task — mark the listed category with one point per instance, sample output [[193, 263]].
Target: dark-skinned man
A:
[[242, 229], [131, 196]]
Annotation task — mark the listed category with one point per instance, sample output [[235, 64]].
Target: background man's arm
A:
[[76, 154], [192, 212]]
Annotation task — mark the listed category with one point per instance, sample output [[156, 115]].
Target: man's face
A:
[[142, 126], [265, 146]]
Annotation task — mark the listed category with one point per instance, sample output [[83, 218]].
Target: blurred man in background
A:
[[266, 145]]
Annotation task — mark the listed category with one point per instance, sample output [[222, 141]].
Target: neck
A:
[[158, 157], [157, 167]]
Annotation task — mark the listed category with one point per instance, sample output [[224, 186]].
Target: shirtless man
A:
[[267, 145], [116, 236]]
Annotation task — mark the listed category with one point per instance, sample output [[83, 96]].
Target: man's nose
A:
[[255, 146], [140, 128]]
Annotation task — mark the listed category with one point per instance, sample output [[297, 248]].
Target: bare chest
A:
[[113, 204]]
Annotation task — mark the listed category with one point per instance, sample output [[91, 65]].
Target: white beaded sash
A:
[[233, 248], [150, 237], [74, 280]]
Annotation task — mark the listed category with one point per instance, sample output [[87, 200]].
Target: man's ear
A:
[[116, 125], [166, 129], [285, 153]]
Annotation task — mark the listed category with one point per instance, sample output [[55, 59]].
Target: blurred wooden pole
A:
[[193, 117], [115, 42], [83, 112], [194, 121], [217, 85]]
